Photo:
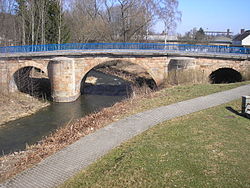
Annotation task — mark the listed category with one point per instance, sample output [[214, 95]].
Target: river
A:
[[28, 130]]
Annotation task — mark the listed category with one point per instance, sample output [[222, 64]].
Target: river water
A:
[[28, 130]]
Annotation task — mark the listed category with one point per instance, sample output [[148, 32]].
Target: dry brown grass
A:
[[74, 130], [17, 105], [119, 73], [14, 163]]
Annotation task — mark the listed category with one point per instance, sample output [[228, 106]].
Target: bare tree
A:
[[169, 14], [60, 21], [43, 21], [7, 20], [32, 16], [109, 20]]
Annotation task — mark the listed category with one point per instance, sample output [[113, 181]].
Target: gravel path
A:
[[57, 168]]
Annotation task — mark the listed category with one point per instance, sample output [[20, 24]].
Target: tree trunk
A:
[[60, 22], [23, 31]]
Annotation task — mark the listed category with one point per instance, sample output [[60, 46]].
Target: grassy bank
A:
[[179, 93], [140, 101], [205, 149]]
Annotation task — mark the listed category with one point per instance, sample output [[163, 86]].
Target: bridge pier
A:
[[62, 77], [4, 78], [65, 73]]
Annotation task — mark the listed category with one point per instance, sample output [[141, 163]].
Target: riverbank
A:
[[18, 161], [208, 148], [17, 105], [134, 74]]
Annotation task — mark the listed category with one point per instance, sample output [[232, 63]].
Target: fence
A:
[[126, 46]]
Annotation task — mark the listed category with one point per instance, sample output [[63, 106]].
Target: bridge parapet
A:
[[187, 48], [66, 69]]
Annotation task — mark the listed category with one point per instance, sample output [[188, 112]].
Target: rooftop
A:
[[242, 36]]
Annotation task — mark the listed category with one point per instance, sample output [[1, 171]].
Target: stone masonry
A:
[[67, 71]]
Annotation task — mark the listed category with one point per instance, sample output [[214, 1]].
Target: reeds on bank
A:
[[16, 162]]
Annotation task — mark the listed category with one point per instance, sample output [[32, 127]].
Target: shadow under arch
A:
[[225, 75], [31, 80], [115, 70]]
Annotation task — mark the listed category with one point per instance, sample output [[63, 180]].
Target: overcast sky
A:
[[213, 15]]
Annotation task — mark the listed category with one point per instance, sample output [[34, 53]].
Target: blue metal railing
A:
[[126, 46]]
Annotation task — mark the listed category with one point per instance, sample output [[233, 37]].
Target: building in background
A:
[[161, 38], [243, 39], [221, 40], [227, 33]]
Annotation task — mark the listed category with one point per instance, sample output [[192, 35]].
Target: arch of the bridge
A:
[[22, 65], [99, 62], [18, 66], [225, 75], [208, 66], [234, 68]]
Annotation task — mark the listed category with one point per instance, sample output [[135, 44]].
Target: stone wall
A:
[[8, 69], [66, 73], [198, 70]]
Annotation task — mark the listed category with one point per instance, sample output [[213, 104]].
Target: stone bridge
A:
[[66, 69]]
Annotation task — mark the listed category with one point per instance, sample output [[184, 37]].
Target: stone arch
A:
[[210, 65], [34, 64], [99, 61], [20, 79], [66, 73], [225, 75], [221, 66]]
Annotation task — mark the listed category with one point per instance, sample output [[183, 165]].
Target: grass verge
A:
[[204, 149], [178, 93], [140, 101]]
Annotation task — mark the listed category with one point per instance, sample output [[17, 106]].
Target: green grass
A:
[[204, 149], [180, 93]]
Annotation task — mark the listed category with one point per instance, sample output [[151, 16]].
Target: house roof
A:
[[222, 39], [242, 36]]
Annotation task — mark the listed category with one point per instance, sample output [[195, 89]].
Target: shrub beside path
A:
[[57, 168]]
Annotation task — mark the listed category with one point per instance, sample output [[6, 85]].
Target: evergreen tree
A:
[[56, 30], [52, 22], [21, 11], [200, 35], [41, 22]]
